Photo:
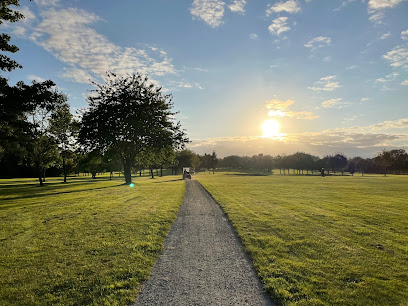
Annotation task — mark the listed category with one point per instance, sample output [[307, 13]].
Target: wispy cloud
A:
[[253, 36], [77, 75], [290, 7], [33, 77], [404, 82], [398, 57], [404, 35], [210, 11], [279, 26], [331, 102], [327, 83], [278, 108], [376, 8], [68, 35], [385, 36], [318, 42], [351, 67], [238, 6], [47, 3]]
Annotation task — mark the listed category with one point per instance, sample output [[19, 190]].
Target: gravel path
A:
[[203, 262]]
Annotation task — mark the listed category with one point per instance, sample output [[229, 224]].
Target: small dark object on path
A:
[[203, 262]]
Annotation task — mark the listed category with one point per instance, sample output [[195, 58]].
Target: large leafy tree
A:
[[129, 115]]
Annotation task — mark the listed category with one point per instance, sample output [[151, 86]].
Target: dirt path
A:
[[203, 262]]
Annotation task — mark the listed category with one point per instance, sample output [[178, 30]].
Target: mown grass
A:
[[337, 240], [84, 242]]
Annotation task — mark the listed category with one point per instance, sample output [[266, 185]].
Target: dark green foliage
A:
[[130, 116]]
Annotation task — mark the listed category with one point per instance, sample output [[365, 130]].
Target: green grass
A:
[[321, 241], [84, 242]]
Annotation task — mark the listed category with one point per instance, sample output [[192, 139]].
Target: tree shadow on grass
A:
[[248, 174], [41, 195], [175, 180]]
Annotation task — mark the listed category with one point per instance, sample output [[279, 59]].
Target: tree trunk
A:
[[161, 171], [140, 172], [93, 175], [110, 176], [44, 175], [127, 173], [151, 173], [64, 169]]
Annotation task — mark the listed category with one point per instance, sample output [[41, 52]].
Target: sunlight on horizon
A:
[[270, 128]]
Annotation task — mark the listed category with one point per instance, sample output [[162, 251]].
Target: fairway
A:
[[321, 241], [84, 242]]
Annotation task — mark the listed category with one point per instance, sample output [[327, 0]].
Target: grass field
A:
[[321, 241], [84, 242]]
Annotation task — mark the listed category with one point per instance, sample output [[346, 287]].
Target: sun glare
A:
[[270, 128]]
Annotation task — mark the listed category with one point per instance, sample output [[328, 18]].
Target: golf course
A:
[[312, 240]]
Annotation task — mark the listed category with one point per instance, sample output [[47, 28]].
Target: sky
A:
[[328, 76]]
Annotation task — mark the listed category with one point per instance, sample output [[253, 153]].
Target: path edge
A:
[[248, 258]]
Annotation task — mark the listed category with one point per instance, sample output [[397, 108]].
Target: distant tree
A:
[[232, 161], [63, 129], [339, 162], [94, 163], [111, 162], [186, 158], [213, 161], [129, 115], [384, 160]]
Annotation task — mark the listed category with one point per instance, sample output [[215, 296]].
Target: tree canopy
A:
[[130, 115]]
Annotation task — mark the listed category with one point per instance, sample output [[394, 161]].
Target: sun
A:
[[270, 128]]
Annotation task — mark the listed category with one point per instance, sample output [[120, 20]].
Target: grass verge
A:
[[84, 242], [321, 241]]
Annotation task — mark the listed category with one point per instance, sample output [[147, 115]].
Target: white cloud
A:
[[327, 59], [253, 36], [374, 5], [385, 36], [210, 11], [331, 102], [318, 42], [290, 7], [238, 6], [343, 4], [364, 99], [376, 8], [46, 3], [327, 83], [33, 77], [351, 67], [404, 82], [279, 26], [77, 75], [67, 34], [398, 57], [278, 108], [404, 35]]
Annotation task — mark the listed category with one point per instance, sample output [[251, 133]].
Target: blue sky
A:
[[333, 74]]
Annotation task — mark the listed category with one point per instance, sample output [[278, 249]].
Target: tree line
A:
[[386, 161]]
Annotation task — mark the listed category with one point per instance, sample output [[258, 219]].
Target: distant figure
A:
[[322, 172]]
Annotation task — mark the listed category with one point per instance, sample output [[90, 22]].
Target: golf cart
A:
[[186, 173]]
